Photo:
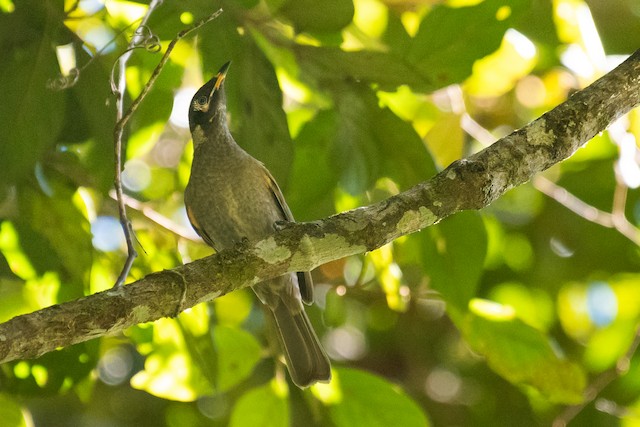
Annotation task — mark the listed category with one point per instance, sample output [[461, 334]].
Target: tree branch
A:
[[470, 183]]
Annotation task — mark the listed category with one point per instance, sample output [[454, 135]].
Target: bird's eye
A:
[[202, 100]]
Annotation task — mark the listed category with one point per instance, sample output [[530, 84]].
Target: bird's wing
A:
[[199, 230], [277, 195], [304, 278]]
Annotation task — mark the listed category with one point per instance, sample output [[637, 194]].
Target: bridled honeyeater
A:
[[230, 197]]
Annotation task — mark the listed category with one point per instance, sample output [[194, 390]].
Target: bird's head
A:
[[209, 104]]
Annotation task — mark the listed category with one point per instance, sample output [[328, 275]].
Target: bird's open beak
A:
[[220, 78]]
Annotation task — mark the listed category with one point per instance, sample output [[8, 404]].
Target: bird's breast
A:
[[228, 199]]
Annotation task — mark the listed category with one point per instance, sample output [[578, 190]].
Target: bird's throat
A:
[[199, 137]]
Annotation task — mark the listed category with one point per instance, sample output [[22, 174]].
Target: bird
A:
[[232, 197]]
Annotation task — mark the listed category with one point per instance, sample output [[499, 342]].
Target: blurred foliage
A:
[[497, 317]]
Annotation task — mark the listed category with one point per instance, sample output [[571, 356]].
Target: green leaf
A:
[[336, 310], [31, 115], [238, 353], [521, 354], [440, 54], [609, 20], [157, 105], [395, 35], [539, 26], [371, 143], [166, 21], [90, 121], [51, 373], [37, 250], [11, 413], [356, 398], [330, 66], [233, 308], [266, 406], [56, 220], [451, 39], [405, 158], [5, 270], [171, 369], [318, 16], [354, 151], [453, 256], [314, 175], [247, 4], [15, 301]]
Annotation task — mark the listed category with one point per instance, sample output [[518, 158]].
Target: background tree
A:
[[506, 316]]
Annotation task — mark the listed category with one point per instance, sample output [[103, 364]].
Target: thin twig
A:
[[467, 123], [599, 384], [618, 209], [573, 203], [119, 92], [62, 82], [122, 120], [158, 69], [157, 217], [616, 219], [476, 130], [588, 212], [627, 163]]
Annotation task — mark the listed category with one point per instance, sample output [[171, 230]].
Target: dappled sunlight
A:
[[389, 276], [499, 72], [491, 310], [585, 55], [169, 370], [602, 304], [233, 308], [370, 18], [533, 306], [7, 6], [345, 343], [168, 379], [602, 316], [505, 315], [443, 385], [598, 309], [573, 311], [329, 393], [66, 55], [180, 108], [126, 11], [136, 175], [107, 234], [12, 251], [115, 366], [95, 34], [196, 319]]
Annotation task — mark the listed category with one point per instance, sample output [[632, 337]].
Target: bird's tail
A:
[[306, 360]]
